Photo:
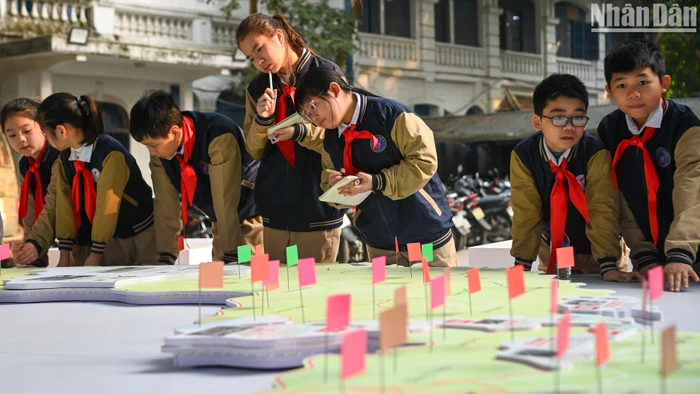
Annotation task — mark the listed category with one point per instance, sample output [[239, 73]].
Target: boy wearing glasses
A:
[[563, 193]]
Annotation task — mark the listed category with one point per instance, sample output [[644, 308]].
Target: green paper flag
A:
[[244, 253], [428, 251], [292, 255]]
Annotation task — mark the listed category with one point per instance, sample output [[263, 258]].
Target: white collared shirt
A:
[[654, 120], [550, 155], [355, 116], [84, 153]]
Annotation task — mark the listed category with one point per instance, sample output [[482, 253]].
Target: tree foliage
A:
[[682, 55]]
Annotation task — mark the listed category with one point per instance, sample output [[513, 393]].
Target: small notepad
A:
[[334, 197], [288, 121]]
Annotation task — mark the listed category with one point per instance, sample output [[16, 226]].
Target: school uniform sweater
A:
[[532, 180], [408, 200], [40, 232], [675, 151], [123, 203], [226, 177], [288, 195]]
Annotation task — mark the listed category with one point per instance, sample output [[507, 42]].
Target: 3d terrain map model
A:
[[473, 347]]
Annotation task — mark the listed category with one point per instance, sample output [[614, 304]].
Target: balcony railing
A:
[[460, 56], [583, 69], [42, 17], [152, 26], [522, 63], [388, 48]]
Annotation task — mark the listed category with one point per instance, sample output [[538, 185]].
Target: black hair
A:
[[315, 83], [153, 115], [633, 55], [558, 85], [22, 106], [81, 112]]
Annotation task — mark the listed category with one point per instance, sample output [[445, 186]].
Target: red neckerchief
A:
[[286, 147], [38, 191], [559, 205], [650, 175], [88, 192], [350, 135], [188, 178]]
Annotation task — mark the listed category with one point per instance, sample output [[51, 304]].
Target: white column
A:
[[550, 45], [45, 84], [426, 38], [186, 96], [599, 69], [452, 21], [202, 31], [103, 19], [382, 24], [492, 45]]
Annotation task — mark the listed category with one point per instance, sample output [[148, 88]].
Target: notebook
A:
[[334, 197], [288, 121]]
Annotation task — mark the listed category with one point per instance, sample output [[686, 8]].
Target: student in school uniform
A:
[[18, 119], [104, 208], [202, 157], [655, 145], [290, 161], [392, 151], [563, 194]]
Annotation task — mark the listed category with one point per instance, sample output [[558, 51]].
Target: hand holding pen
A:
[[361, 185]]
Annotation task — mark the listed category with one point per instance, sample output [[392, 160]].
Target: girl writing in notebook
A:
[[392, 152], [18, 119], [104, 208], [287, 188]]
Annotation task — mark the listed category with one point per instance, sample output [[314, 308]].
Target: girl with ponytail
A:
[[18, 119], [392, 152], [287, 188], [104, 208]]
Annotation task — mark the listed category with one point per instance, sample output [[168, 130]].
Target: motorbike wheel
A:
[[477, 236], [343, 252], [460, 240], [502, 223]]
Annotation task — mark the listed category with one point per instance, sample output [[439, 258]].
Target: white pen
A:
[[270, 74]]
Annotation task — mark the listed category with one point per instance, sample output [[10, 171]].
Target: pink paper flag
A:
[[4, 251], [353, 352], [415, 252], [338, 312], [554, 303], [437, 292], [307, 272], [273, 277], [378, 269], [563, 335], [656, 282]]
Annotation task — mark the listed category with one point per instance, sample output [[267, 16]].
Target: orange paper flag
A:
[[400, 296], [516, 281], [565, 257], [669, 357], [260, 267], [601, 344], [415, 252], [474, 280], [426, 271], [393, 327], [211, 275]]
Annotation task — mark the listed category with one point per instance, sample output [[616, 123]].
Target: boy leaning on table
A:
[[562, 190]]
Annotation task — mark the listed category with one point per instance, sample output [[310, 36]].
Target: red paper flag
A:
[[563, 335], [426, 271], [656, 282], [565, 257], [273, 279], [211, 275], [474, 280], [338, 312], [396, 242], [307, 272], [353, 352], [516, 281], [415, 252], [437, 292], [260, 267], [554, 301], [378, 269], [180, 244], [601, 344]]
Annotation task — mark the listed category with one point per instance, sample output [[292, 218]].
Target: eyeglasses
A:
[[306, 115], [561, 120]]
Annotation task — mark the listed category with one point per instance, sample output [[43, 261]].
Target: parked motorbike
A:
[[198, 224], [351, 249]]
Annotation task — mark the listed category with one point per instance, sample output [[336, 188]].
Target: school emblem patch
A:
[[662, 157], [378, 144], [95, 174], [204, 167], [581, 181]]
